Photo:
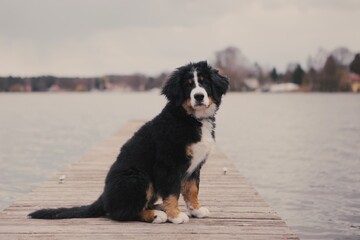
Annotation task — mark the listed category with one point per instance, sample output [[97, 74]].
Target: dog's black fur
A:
[[156, 155]]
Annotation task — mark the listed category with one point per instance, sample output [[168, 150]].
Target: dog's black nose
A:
[[199, 97]]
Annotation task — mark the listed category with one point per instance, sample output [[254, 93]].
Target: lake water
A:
[[300, 151]]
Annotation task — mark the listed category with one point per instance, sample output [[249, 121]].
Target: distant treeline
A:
[[338, 70], [136, 82], [334, 71]]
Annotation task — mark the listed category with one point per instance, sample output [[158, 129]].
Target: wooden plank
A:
[[237, 210]]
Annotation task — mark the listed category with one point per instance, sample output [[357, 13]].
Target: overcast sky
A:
[[97, 37]]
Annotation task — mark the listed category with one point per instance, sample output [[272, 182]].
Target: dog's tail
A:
[[94, 210]]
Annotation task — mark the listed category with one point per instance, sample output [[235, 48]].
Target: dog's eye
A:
[[203, 79], [190, 81]]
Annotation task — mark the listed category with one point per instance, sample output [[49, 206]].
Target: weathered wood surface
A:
[[237, 211]]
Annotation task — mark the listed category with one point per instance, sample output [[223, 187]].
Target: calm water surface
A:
[[300, 151]]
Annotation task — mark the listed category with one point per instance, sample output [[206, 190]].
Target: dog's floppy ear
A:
[[220, 85], [172, 89]]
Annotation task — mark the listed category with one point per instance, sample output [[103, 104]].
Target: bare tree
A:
[[343, 56], [234, 65]]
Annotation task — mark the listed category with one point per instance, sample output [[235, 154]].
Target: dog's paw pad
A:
[[200, 213], [181, 218], [160, 217]]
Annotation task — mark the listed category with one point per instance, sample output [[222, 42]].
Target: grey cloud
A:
[[90, 37]]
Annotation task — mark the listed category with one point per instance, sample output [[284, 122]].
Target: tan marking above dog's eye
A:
[[201, 78], [190, 81]]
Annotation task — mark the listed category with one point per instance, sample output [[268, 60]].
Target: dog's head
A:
[[197, 87]]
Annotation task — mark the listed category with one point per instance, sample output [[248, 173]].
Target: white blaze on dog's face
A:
[[199, 98]]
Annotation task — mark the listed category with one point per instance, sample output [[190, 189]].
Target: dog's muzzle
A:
[[199, 98]]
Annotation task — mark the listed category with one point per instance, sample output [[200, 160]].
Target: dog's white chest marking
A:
[[202, 149]]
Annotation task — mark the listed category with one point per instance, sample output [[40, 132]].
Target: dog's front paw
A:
[[199, 213], [160, 217], [181, 218]]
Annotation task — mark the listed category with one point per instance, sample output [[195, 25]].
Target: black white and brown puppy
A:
[[163, 158]]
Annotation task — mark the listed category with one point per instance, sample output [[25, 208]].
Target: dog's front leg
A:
[[190, 192], [171, 207], [168, 184]]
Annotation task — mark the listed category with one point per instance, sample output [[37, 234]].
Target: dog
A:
[[163, 158]]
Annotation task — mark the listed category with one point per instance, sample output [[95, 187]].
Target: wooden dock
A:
[[237, 210]]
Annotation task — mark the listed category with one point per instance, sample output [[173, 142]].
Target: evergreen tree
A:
[[355, 64], [329, 79], [298, 75], [330, 66], [274, 75]]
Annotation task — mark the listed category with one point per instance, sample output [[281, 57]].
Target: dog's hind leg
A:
[[126, 194]]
